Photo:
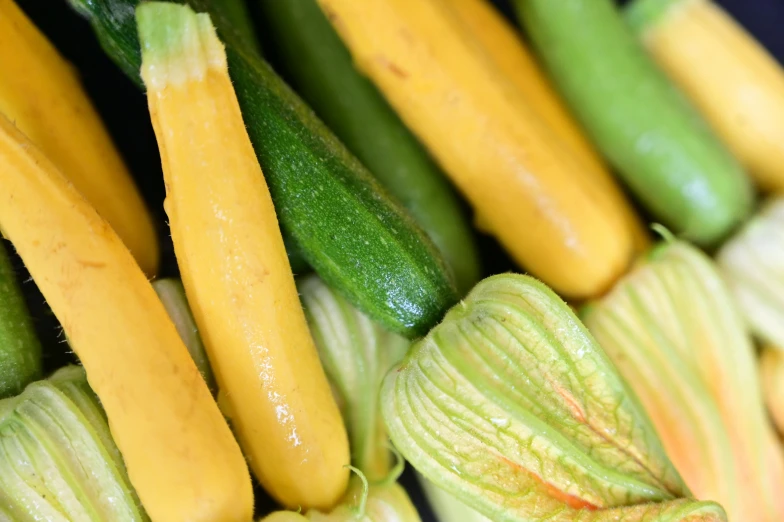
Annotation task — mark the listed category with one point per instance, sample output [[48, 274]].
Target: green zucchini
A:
[[309, 54], [664, 151], [20, 351], [236, 15], [296, 259], [359, 240]]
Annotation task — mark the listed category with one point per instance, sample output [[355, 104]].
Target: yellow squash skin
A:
[[235, 268], [40, 93], [772, 374], [508, 163], [729, 76], [180, 453], [509, 53]]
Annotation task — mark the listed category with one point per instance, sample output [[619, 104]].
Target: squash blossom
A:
[[356, 354], [752, 264], [58, 461], [672, 329], [510, 405]]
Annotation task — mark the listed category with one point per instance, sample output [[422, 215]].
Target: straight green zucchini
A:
[[20, 351], [661, 147], [309, 54], [351, 232]]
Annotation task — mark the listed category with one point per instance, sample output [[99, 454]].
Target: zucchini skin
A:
[[20, 350], [313, 59], [663, 150], [236, 16], [356, 237]]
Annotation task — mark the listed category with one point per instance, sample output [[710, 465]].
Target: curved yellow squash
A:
[[180, 454], [509, 53], [40, 93], [510, 165], [729, 76], [235, 268]]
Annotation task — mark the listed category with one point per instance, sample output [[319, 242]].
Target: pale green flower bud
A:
[[674, 333], [58, 461], [356, 354], [752, 263], [512, 407]]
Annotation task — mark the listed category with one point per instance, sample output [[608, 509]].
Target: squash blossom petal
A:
[[510, 405], [58, 461], [356, 353], [673, 331]]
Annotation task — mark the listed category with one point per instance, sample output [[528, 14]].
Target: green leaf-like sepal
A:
[[510, 405], [674, 333], [449, 508], [58, 461], [356, 354]]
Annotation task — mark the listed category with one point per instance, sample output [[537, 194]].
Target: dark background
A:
[[124, 110]]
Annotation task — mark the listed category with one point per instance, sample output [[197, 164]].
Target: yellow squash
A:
[[180, 454], [235, 268], [41, 94], [527, 188], [731, 78], [772, 373], [509, 53]]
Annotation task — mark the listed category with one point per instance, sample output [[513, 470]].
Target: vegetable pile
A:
[[330, 321]]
